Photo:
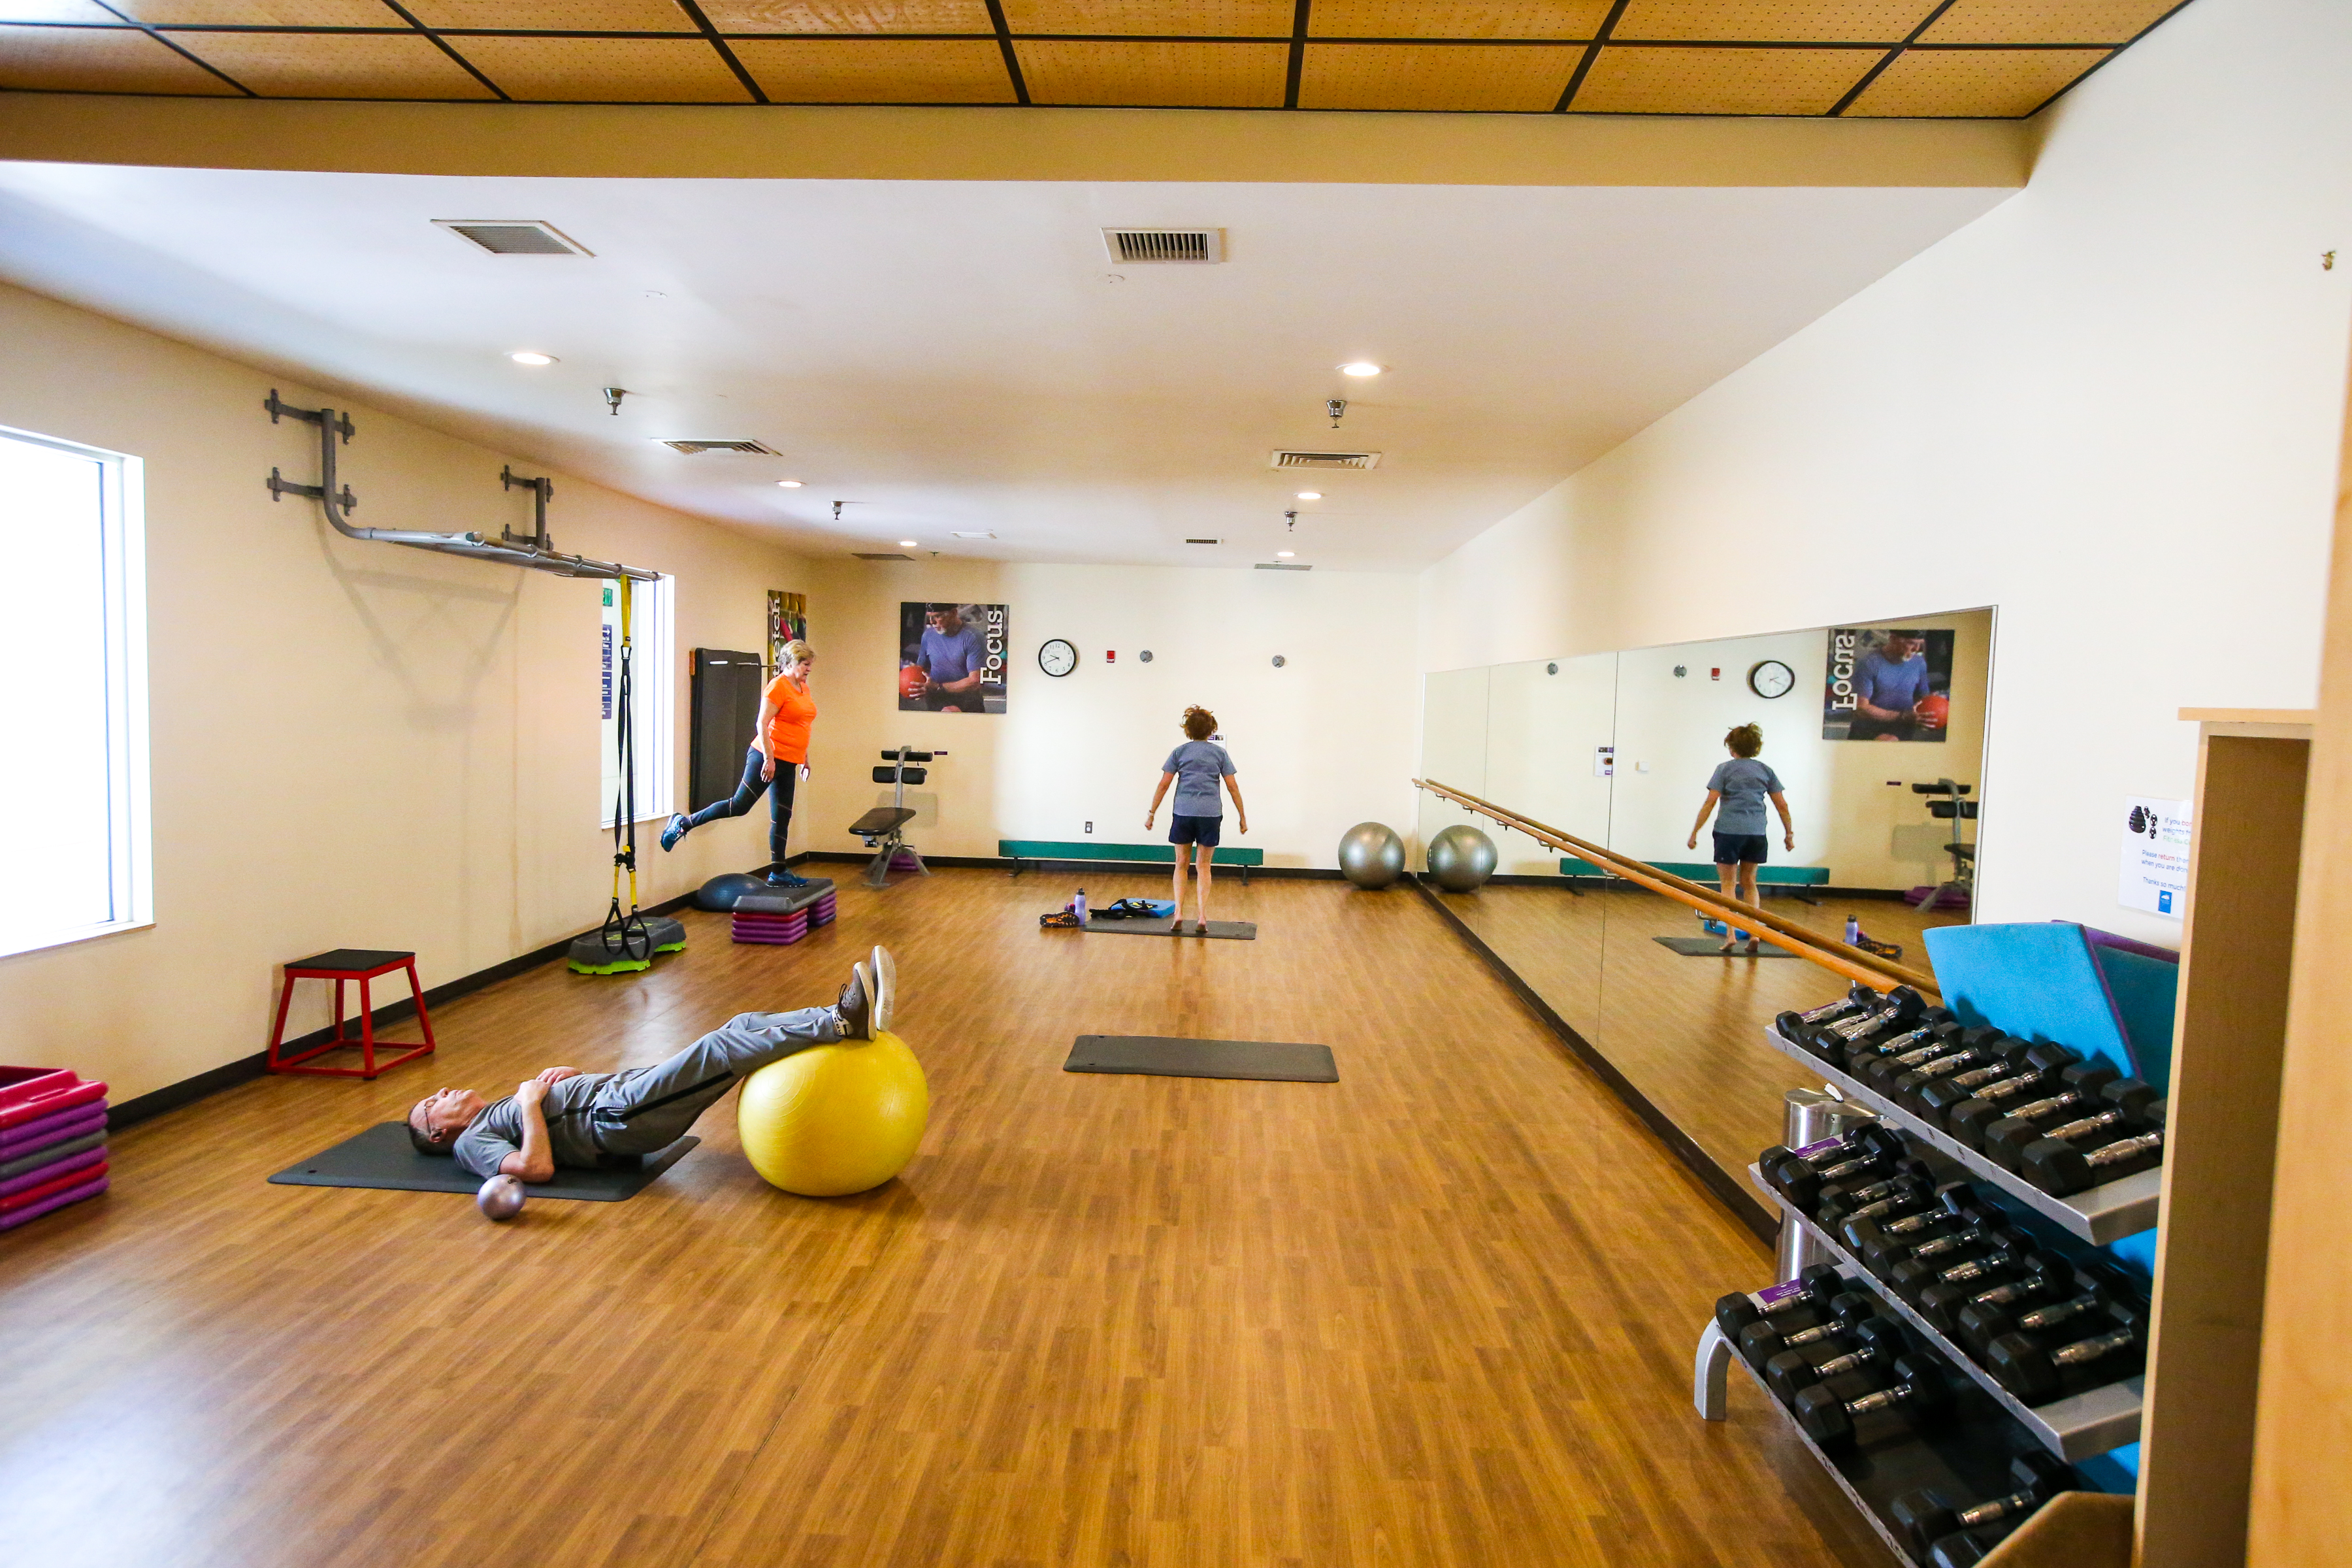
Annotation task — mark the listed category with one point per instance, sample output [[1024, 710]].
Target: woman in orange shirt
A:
[[786, 711]]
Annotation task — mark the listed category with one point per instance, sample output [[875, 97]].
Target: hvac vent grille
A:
[[514, 237], [1288, 459], [1142, 246], [1282, 566], [881, 555], [1205, 542], [691, 447]]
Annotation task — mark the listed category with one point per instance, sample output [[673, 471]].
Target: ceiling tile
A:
[[1721, 82], [2046, 21], [1526, 78], [1456, 19], [1972, 82], [89, 60], [559, 15], [605, 70], [335, 65], [786, 17], [878, 71], [1769, 21], [1217, 18], [262, 13], [1156, 75]]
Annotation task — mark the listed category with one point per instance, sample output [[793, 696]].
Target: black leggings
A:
[[747, 795]]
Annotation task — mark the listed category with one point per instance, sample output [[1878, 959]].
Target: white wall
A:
[[2109, 408], [1322, 744], [354, 744]]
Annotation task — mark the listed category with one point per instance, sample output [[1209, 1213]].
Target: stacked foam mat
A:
[[779, 917], [52, 1141]]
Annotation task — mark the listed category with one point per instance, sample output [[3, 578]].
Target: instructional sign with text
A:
[[2156, 856]]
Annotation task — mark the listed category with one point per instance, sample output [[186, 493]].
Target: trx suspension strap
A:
[[624, 936]]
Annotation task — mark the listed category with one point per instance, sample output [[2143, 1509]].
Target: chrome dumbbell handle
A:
[[2124, 1149], [2094, 1347]]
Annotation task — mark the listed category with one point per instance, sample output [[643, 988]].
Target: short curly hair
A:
[[1200, 723], [1745, 741]]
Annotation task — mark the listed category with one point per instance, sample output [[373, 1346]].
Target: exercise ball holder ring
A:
[[1461, 858]]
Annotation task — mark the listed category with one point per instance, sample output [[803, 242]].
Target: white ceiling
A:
[[953, 356]]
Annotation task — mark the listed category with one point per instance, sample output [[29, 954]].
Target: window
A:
[[649, 696], [73, 643]]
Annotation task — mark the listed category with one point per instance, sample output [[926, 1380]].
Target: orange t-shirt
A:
[[788, 728]]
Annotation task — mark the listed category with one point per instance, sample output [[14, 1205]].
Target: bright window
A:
[[73, 643], [649, 695]]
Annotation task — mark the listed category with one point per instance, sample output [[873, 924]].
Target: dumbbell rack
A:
[[2074, 1427]]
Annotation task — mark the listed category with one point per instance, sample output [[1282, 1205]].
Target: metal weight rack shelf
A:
[[2099, 1215], [2074, 1427]]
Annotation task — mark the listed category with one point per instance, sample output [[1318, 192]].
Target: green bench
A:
[[1704, 871], [1026, 852]]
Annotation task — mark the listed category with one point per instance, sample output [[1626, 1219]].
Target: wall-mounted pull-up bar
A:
[[533, 551]]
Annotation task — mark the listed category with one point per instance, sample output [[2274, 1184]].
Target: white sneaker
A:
[[883, 988]]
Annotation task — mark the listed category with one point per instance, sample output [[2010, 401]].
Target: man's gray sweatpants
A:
[[649, 1109]]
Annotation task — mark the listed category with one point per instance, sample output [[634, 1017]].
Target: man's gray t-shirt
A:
[[1743, 782], [1198, 766], [568, 1108]]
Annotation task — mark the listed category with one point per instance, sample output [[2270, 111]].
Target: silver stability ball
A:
[[1461, 857], [1371, 855]]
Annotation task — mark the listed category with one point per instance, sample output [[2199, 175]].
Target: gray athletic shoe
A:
[[885, 971], [855, 1007], [673, 831]]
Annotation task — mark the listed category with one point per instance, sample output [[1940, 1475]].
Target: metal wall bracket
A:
[[542, 490]]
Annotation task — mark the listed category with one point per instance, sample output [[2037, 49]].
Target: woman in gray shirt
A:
[[1741, 786]]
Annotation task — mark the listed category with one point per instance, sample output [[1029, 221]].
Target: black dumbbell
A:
[[1793, 1025], [1910, 1184], [1893, 1013], [1827, 1414], [1997, 1056], [2112, 1111], [1813, 1288], [1938, 1099], [1968, 1121], [1760, 1342], [1803, 1184], [1964, 1285], [1924, 1517], [2020, 1363], [1976, 1258], [1880, 1244], [1865, 1351], [2059, 1168], [2051, 1319], [2048, 1284], [1869, 1138], [1925, 1033]]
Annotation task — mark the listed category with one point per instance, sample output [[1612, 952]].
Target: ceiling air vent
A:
[[881, 555], [514, 237], [1282, 566], [691, 447], [1141, 247], [1205, 542], [1288, 459]]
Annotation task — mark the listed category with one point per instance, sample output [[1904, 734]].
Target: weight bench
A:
[[883, 827], [1026, 852]]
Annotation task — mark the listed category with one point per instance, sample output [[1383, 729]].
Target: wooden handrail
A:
[[1852, 962]]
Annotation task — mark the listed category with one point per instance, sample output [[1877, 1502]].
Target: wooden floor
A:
[[1439, 1312], [1687, 1032]]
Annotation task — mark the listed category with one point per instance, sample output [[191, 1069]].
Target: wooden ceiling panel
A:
[[793, 17], [1456, 19], [559, 15], [2046, 21], [1972, 83], [86, 60], [1200, 18], [1775, 21], [261, 13], [1721, 82], [1528, 79], [878, 71], [605, 70], [1156, 75], [335, 65]]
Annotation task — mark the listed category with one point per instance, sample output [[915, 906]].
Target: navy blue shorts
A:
[[1739, 849], [1195, 830]]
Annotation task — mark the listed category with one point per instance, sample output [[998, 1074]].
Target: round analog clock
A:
[[1770, 677], [1057, 656]]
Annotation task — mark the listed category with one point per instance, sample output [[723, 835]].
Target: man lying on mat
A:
[[566, 1117]]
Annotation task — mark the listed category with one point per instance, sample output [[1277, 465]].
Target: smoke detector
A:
[[692, 447], [1290, 460], [514, 235], [1142, 246]]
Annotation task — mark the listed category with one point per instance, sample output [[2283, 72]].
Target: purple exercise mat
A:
[[28, 1136], [70, 1195], [46, 1174]]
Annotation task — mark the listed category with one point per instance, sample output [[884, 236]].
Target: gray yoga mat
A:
[[1712, 947], [1164, 1056], [382, 1157], [1236, 931]]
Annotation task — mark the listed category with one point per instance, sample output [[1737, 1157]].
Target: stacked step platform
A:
[[779, 917], [52, 1141]]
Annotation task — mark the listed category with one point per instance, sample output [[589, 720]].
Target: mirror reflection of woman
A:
[[780, 742], [1741, 786]]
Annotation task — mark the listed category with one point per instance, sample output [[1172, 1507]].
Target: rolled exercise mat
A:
[[72, 1168], [26, 1137], [11, 1169], [11, 1218]]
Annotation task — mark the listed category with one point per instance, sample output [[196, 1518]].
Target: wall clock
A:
[[1770, 677], [1057, 657]]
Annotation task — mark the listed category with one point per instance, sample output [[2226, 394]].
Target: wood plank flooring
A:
[[1439, 1312]]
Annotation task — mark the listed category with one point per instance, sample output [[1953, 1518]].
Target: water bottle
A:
[[1079, 903], [1854, 931]]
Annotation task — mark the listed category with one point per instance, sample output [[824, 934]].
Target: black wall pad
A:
[[1164, 1055], [382, 1157], [1236, 931], [1712, 947]]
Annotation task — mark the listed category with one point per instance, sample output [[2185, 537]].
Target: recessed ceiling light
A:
[[1284, 555], [531, 356], [1360, 367], [790, 484], [906, 544], [1310, 495]]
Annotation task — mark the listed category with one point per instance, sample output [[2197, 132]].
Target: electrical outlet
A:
[[1091, 828]]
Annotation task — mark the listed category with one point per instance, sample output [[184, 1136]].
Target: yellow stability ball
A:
[[834, 1119]]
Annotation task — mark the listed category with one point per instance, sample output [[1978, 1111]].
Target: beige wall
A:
[[354, 744]]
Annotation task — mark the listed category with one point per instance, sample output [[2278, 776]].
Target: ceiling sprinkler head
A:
[[1289, 522], [1335, 408], [613, 395]]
